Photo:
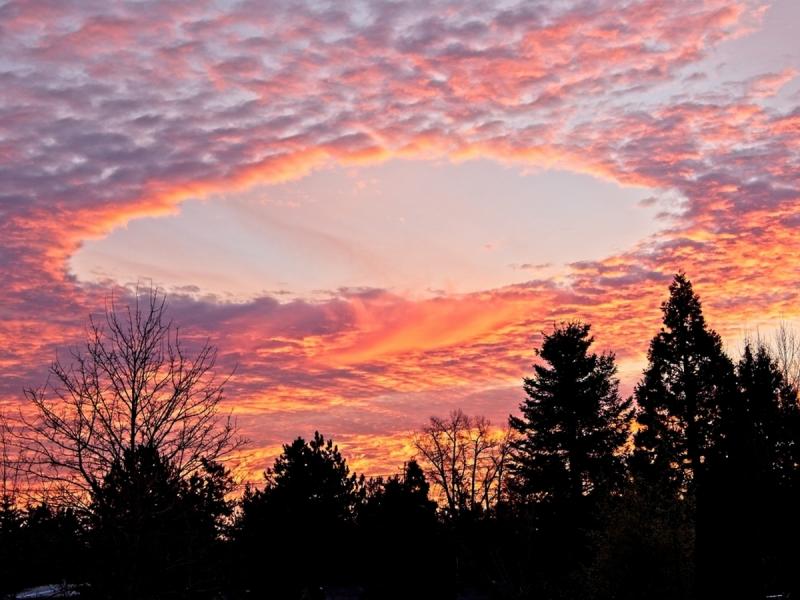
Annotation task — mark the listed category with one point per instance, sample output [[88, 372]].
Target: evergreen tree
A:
[[755, 522], [566, 457], [39, 545], [573, 423], [153, 533], [399, 529], [313, 480], [766, 420], [11, 535], [681, 396], [400, 499], [53, 546], [687, 388], [302, 523]]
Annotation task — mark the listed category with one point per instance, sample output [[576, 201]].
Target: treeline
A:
[[687, 490]]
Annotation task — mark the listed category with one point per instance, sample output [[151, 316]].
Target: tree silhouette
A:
[[39, 544], [785, 350], [573, 423], [754, 522], [465, 459], [133, 384], [681, 395], [566, 457], [557, 506], [766, 419], [54, 546], [152, 532], [401, 498], [128, 433], [682, 398], [399, 528], [11, 523], [302, 522]]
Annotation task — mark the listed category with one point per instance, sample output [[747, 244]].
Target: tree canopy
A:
[[682, 394], [574, 422]]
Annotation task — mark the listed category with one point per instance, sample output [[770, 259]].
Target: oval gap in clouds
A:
[[416, 228]]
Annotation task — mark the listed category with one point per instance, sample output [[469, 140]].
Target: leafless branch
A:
[[785, 348], [465, 460], [132, 383]]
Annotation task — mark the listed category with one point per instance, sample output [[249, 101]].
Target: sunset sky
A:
[[374, 208]]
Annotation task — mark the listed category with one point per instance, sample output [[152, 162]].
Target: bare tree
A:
[[785, 348], [465, 459], [134, 383]]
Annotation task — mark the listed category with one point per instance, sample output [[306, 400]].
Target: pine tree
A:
[[403, 501], [53, 546], [573, 422], [687, 388], [11, 535], [767, 418], [302, 522], [680, 398], [398, 521], [756, 490], [152, 532], [566, 459]]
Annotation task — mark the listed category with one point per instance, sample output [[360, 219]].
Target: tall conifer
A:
[[687, 389], [573, 422], [681, 396]]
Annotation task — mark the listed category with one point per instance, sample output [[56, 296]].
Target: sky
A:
[[373, 209]]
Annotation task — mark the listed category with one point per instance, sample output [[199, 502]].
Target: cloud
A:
[[769, 84]]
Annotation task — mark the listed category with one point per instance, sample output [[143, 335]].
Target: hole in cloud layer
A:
[[415, 227]]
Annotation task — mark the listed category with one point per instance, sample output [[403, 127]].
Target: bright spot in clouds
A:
[[412, 227]]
